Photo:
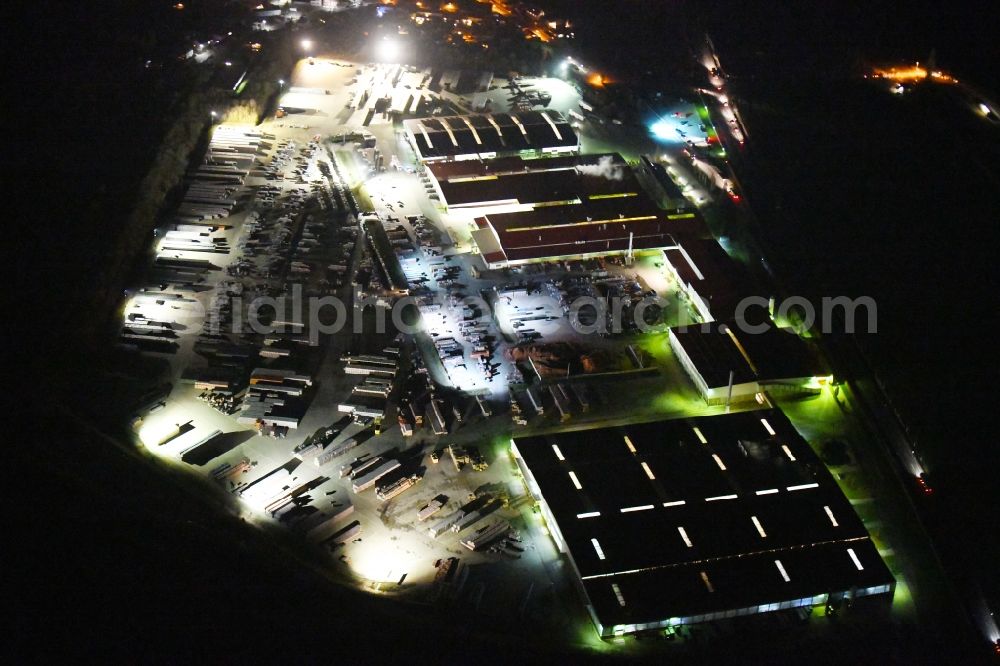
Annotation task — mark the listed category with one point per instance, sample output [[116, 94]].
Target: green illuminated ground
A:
[[830, 416]]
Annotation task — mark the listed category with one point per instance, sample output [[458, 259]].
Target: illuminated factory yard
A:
[[484, 342]]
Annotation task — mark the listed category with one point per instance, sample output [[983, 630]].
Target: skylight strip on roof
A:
[[475, 134], [829, 514], [781, 570], [555, 130], [451, 135], [497, 128], [427, 137], [519, 125]]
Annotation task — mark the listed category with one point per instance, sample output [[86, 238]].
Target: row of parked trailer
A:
[[387, 491], [460, 519], [319, 531], [213, 189], [213, 186], [486, 535], [228, 471], [327, 455], [561, 394], [369, 478]]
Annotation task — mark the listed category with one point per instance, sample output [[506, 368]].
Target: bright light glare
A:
[[153, 434], [307, 44], [388, 50], [382, 561], [662, 129]]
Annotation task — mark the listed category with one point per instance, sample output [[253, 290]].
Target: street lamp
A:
[[214, 115]]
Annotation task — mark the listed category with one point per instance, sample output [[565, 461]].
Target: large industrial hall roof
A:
[[491, 133], [692, 517]]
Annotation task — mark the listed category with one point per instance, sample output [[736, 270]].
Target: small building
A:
[[464, 81], [712, 281], [660, 186], [727, 362]]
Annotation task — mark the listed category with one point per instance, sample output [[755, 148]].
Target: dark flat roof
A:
[[714, 354], [662, 178], [573, 179], [490, 133], [601, 225], [770, 356], [716, 276], [644, 551], [504, 165]]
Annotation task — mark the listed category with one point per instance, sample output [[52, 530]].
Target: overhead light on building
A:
[[781, 570]]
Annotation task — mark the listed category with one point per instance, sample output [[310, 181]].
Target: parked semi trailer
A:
[[484, 536], [561, 406], [305, 451], [390, 490], [344, 535], [318, 532], [467, 520], [335, 451], [363, 467], [443, 525], [430, 509], [227, 471], [535, 402], [368, 480], [348, 468]]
